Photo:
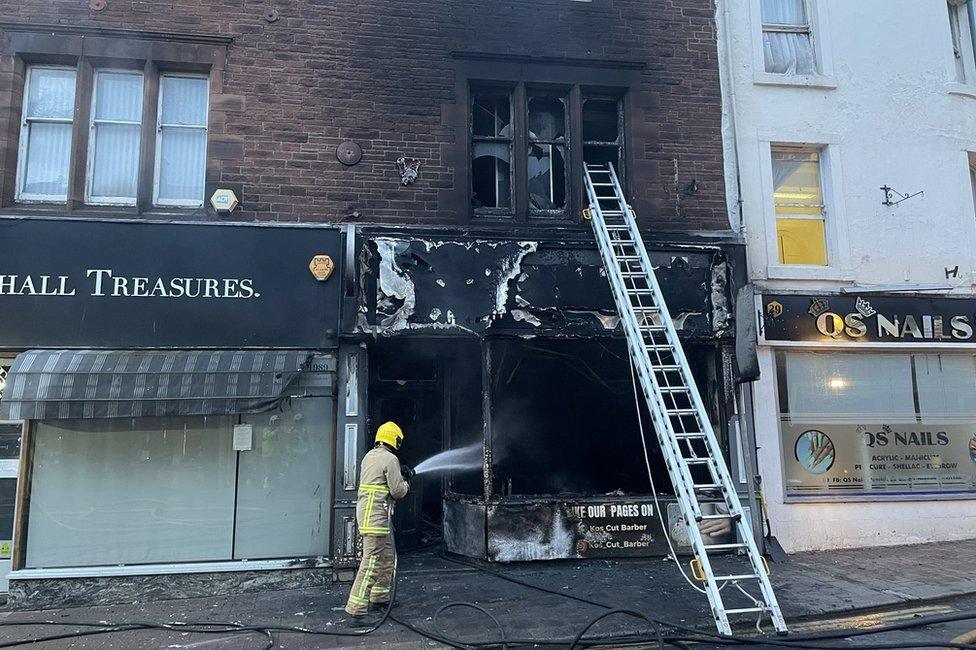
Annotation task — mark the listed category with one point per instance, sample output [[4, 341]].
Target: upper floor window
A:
[[787, 38], [45, 134], [540, 180], [122, 156], [181, 145], [113, 146], [491, 150], [798, 197], [961, 37], [546, 137]]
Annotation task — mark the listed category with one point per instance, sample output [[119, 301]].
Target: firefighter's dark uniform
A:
[[380, 483]]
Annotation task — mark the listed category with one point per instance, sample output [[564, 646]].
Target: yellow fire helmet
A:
[[391, 434]]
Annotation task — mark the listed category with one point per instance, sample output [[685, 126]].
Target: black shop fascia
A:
[[170, 395], [510, 347]]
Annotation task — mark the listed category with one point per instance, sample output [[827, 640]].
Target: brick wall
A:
[[380, 72]]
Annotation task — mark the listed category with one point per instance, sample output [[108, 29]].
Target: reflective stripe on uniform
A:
[[371, 490], [374, 487], [364, 585], [374, 530]]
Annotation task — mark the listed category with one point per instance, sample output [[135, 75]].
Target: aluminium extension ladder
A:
[[691, 451]]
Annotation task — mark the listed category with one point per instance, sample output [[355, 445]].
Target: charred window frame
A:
[[554, 129], [603, 132], [91, 55], [492, 141], [547, 153]]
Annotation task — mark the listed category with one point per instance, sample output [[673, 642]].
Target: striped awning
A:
[[61, 384]]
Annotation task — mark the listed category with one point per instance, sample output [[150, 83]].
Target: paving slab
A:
[[808, 585]]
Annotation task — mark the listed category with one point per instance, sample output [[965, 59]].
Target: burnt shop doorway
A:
[[413, 382]]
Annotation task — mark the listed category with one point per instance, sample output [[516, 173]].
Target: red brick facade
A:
[[299, 78]]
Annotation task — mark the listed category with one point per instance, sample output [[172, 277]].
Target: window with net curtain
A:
[[45, 139], [181, 147], [116, 132], [113, 164], [787, 38], [801, 235]]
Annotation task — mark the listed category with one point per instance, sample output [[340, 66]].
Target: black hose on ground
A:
[[687, 634]]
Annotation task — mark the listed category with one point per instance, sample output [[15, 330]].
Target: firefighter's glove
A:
[[407, 472]]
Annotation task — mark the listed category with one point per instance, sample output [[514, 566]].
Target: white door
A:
[[11, 434]]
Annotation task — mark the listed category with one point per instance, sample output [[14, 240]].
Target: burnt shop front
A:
[[509, 351], [868, 410], [170, 401]]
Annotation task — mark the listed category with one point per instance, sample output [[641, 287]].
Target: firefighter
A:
[[382, 479]]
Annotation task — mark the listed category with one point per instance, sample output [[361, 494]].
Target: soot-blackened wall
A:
[[299, 78]]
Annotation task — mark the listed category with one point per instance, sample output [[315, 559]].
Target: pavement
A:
[[856, 587]]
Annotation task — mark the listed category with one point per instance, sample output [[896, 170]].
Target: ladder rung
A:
[[658, 348], [735, 516], [618, 227], [665, 368], [746, 610], [680, 411], [602, 184], [707, 486], [633, 274], [696, 434], [656, 328], [741, 576], [722, 547], [674, 389], [698, 461]]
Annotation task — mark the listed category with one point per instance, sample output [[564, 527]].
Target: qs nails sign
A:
[[867, 319], [102, 284]]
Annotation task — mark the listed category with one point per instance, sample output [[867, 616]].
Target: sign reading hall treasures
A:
[[875, 319], [101, 284]]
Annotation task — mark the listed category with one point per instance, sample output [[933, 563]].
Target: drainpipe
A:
[[727, 84]]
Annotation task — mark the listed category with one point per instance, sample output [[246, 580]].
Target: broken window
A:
[[491, 147], [564, 420], [602, 131], [535, 123], [546, 153]]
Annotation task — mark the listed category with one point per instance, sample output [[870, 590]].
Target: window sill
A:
[[170, 568], [961, 89], [106, 211], [803, 272], [828, 82]]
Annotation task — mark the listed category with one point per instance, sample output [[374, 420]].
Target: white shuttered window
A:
[[181, 145], [113, 149], [45, 138]]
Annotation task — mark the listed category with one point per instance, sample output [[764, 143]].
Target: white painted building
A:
[[865, 412]]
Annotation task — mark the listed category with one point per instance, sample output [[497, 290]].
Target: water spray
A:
[[454, 460]]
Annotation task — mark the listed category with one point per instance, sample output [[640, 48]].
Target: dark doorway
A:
[[431, 388]]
